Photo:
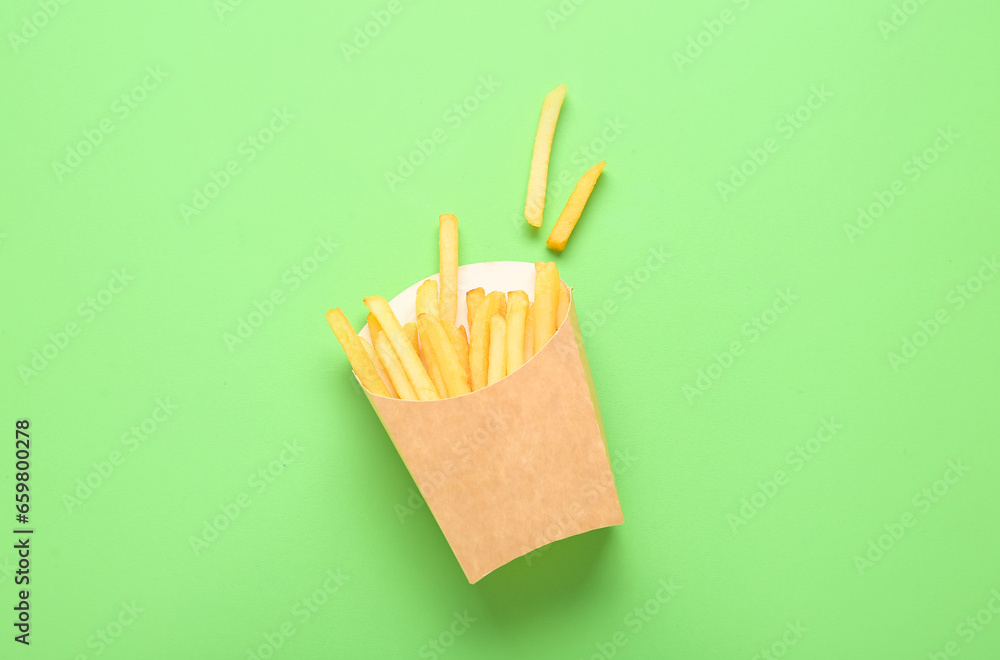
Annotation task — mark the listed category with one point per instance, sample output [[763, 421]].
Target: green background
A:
[[688, 463]]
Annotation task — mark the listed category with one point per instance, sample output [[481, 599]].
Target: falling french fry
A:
[[539, 174], [574, 208]]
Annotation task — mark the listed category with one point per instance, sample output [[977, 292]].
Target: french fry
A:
[[498, 346], [373, 356], [563, 305], [351, 343], [517, 310], [472, 300], [427, 303], [408, 357], [502, 307], [431, 363], [461, 344], [574, 207], [479, 341], [546, 304], [492, 304], [427, 298], [373, 327], [462, 348], [539, 174], [410, 330], [529, 332], [443, 351], [538, 265], [448, 248], [393, 367]]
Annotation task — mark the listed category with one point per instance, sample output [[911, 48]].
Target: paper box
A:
[[518, 464]]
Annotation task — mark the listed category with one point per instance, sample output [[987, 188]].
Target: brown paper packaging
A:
[[516, 465]]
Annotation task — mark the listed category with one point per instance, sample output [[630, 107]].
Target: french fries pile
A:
[[539, 173], [432, 357]]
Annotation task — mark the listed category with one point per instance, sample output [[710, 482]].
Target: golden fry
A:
[[479, 341], [546, 304], [539, 174], [433, 369], [404, 349], [427, 298], [373, 327], [497, 368], [435, 338], [373, 356], [529, 332], [410, 330], [517, 310], [461, 346], [472, 300], [360, 362], [427, 303], [574, 207], [383, 348], [448, 248], [563, 305]]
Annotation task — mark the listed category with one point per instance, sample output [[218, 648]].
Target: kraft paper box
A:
[[518, 464]]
